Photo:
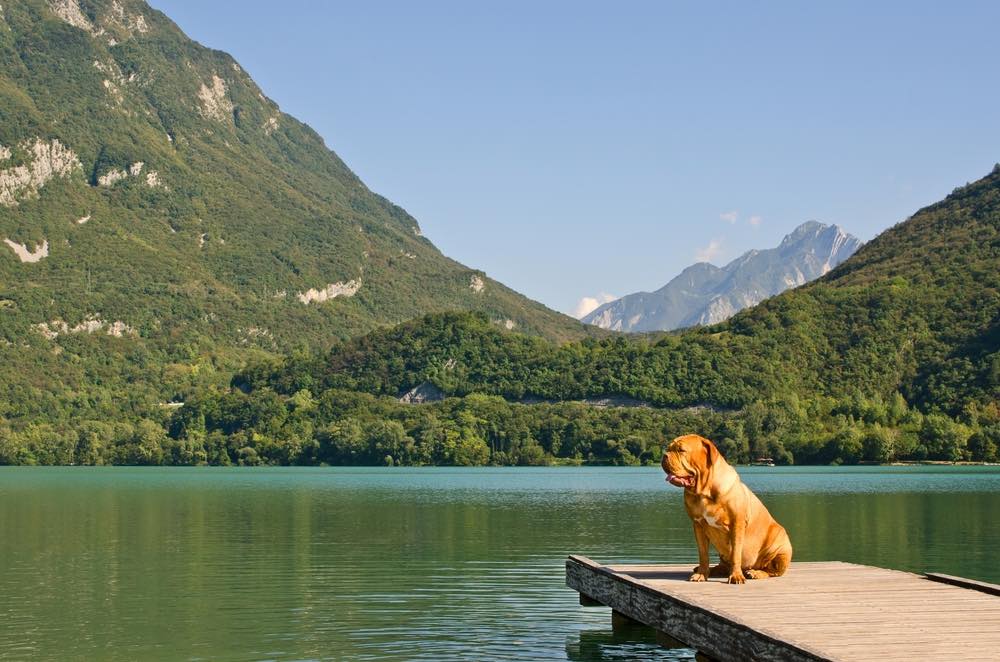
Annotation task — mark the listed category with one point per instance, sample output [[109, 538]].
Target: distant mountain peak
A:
[[810, 230], [706, 294]]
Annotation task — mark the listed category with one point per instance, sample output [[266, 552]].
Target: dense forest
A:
[[895, 355], [189, 275], [174, 224]]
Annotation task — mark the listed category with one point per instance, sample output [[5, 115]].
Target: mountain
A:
[[894, 354], [161, 218], [915, 311], [705, 294], [166, 226]]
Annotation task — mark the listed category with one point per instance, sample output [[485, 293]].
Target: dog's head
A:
[[688, 461]]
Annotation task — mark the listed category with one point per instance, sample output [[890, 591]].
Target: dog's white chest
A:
[[712, 522], [701, 514]]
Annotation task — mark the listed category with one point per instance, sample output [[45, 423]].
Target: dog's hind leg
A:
[[779, 564], [776, 567]]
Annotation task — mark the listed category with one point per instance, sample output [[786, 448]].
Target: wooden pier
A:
[[817, 611]]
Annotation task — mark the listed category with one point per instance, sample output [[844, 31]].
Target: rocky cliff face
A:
[[163, 187], [705, 294], [162, 222]]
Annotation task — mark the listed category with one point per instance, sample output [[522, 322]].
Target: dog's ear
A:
[[711, 452]]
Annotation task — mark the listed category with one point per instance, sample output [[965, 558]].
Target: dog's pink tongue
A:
[[676, 480]]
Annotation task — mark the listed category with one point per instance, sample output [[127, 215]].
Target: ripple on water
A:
[[431, 564]]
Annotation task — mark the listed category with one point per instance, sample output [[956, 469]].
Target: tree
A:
[[984, 445], [879, 444], [142, 444], [12, 450], [844, 447], [944, 438], [388, 442], [93, 437], [344, 442]]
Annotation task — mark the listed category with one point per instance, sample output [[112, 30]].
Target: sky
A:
[[580, 151]]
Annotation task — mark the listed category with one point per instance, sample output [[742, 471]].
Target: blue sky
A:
[[576, 149]]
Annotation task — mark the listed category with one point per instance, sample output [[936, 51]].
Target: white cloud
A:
[[587, 305], [710, 252], [730, 216], [755, 221]]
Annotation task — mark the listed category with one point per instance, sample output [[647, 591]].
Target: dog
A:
[[726, 514]]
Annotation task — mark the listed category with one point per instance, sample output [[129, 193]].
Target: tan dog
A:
[[726, 513]]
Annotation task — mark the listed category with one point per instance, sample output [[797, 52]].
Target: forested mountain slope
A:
[[161, 219], [895, 354], [164, 223], [915, 311]]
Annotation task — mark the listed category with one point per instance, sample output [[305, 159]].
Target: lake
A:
[[434, 563]]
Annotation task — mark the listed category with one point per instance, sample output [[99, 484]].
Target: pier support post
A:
[[620, 621], [666, 641], [587, 601]]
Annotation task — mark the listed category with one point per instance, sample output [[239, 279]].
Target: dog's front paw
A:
[[698, 577], [737, 578]]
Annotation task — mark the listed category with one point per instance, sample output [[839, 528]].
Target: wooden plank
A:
[[828, 610], [904, 635], [928, 651], [984, 587], [710, 632], [913, 621], [925, 604]]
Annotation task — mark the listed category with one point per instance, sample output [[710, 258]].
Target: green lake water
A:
[[434, 564]]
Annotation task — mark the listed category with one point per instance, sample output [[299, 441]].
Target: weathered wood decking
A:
[[817, 611]]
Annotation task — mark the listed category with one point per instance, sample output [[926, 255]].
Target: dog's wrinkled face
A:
[[687, 459]]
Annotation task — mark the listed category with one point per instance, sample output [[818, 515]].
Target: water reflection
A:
[[428, 564], [630, 643]]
